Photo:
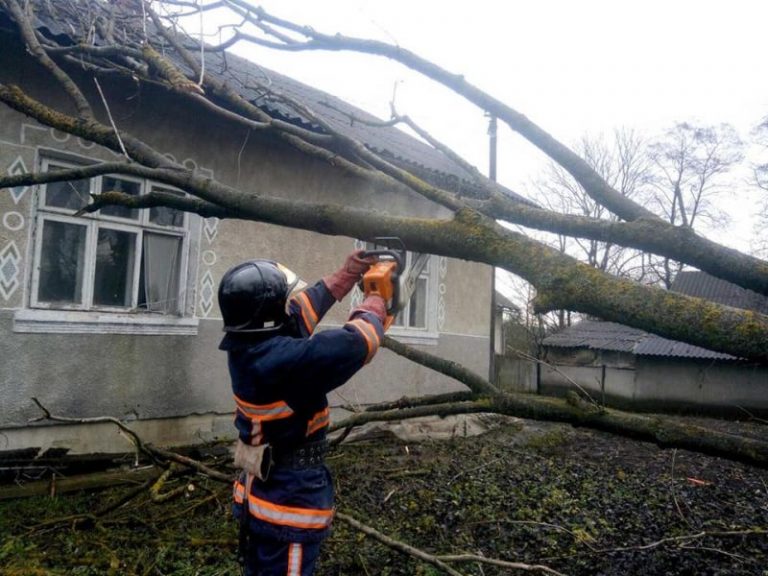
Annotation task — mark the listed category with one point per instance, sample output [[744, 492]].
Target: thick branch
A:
[[562, 281], [664, 432], [579, 169], [718, 260], [681, 245], [450, 368], [27, 32]]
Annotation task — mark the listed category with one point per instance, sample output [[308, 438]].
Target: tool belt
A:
[[308, 455]]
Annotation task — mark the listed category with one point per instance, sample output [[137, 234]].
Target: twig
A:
[[135, 439], [397, 545], [554, 368], [752, 417], [154, 490], [717, 551], [501, 563], [111, 120], [674, 491], [439, 561]]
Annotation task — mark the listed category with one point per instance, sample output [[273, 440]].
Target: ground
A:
[[578, 501]]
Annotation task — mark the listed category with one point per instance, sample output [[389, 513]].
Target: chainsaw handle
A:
[[397, 256]]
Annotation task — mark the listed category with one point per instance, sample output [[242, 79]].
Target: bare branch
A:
[[450, 368], [23, 23]]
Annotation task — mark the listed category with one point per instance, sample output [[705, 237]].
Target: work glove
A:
[[344, 279], [374, 304]]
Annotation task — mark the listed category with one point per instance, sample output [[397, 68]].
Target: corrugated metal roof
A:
[[701, 284], [597, 335], [248, 79]]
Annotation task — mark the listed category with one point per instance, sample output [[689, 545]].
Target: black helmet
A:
[[252, 296]]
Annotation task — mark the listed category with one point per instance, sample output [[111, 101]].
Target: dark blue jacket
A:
[[280, 384]]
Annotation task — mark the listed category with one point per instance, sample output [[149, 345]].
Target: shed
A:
[[629, 367]]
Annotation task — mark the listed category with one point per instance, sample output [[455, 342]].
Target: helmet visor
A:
[[295, 284]]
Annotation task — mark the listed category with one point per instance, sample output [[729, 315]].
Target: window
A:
[[414, 314], [117, 259]]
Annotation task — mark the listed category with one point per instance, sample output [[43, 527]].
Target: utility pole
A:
[[492, 149]]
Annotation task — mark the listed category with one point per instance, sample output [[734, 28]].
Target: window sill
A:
[[415, 337], [69, 322]]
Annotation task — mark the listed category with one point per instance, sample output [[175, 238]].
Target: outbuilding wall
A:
[[658, 383]]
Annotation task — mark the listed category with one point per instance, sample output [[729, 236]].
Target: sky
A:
[[573, 67]]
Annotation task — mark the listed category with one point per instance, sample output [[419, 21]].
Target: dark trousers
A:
[[267, 557]]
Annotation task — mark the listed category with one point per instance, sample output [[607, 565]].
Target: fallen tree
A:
[[173, 60]]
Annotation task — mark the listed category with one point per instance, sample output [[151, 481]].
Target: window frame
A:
[[93, 222], [405, 313]]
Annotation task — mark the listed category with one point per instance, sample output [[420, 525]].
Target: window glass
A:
[[115, 256], [159, 280], [95, 263], [129, 187], [62, 263], [164, 216], [417, 309], [71, 195]]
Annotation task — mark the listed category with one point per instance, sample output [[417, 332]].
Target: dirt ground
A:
[[577, 501]]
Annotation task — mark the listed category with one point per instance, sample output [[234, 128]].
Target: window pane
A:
[[71, 195], [417, 311], [112, 184], [163, 216], [159, 281], [113, 281], [62, 260]]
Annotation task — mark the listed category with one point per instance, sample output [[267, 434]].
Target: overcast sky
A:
[[573, 67]]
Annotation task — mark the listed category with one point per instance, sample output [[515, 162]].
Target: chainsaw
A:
[[388, 278]]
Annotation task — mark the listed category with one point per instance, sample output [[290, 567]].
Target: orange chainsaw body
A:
[[382, 279]]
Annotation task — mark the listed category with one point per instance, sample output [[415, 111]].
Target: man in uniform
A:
[[281, 374]]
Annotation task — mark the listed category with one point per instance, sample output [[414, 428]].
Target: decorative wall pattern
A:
[[207, 292], [18, 167], [211, 229], [10, 270], [442, 271], [14, 207], [207, 260]]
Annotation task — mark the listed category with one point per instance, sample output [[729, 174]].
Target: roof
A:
[[701, 284], [65, 24], [504, 302], [598, 335]]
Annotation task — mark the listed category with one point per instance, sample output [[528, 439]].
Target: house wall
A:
[[656, 383], [178, 371]]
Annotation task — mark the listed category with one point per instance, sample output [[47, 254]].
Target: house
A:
[[115, 313], [629, 367]]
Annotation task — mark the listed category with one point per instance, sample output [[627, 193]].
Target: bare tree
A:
[[760, 180], [692, 165], [621, 161], [623, 164]]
